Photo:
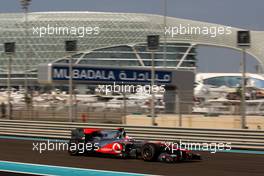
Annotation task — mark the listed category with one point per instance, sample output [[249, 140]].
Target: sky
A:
[[247, 14]]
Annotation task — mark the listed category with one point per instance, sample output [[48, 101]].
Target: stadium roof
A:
[[116, 29]]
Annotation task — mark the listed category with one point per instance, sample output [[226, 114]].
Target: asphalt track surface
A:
[[219, 164]]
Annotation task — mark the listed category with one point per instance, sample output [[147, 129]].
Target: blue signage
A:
[[99, 74]]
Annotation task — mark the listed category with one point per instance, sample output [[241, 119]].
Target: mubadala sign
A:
[[172, 79], [60, 73], [106, 74], [83, 74]]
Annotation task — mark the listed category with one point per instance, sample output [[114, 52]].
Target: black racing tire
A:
[[196, 157], [149, 152], [73, 152]]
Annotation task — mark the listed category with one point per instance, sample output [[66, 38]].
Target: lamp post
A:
[[124, 108], [152, 85], [165, 37], [179, 107], [243, 42], [9, 50], [25, 4], [243, 91], [153, 45], [70, 48]]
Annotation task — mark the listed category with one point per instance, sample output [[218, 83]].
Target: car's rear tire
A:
[[74, 151], [196, 157], [149, 152]]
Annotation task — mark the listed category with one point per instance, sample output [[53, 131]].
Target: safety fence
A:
[[243, 139]]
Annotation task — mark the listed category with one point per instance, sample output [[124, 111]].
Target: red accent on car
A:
[[90, 130], [112, 148]]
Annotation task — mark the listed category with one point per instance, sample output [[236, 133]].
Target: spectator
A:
[[253, 94], [3, 110], [10, 110]]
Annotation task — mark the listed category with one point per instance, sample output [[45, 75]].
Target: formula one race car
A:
[[92, 141]]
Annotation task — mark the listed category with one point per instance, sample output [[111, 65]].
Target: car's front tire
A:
[[149, 152]]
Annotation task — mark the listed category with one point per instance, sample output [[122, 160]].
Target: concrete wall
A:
[[198, 121]]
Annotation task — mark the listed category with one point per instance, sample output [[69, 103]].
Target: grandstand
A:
[[119, 39]]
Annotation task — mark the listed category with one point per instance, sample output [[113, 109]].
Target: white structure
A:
[[122, 33], [216, 85]]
